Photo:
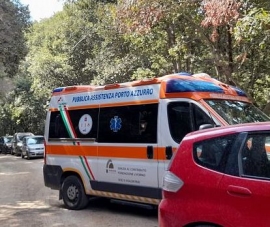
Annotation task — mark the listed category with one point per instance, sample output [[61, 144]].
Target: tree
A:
[[222, 15], [14, 21], [100, 42], [252, 34]]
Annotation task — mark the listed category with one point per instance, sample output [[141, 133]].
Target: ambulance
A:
[[116, 140]]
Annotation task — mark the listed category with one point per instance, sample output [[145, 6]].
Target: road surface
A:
[[26, 202]]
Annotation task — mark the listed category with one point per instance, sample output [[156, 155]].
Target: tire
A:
[[73, 193], [17, 152]]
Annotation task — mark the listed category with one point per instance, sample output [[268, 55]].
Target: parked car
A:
[[17, 142], [219, 177], [33, 147], [5, 144]]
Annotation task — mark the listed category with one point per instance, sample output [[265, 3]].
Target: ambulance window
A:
[[128, 124], [180, 120], [57, 127], [85, 122], [82, 123], [200, 117]]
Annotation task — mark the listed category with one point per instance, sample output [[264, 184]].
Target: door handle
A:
[[168, 152], [150, 152], [238, 191]]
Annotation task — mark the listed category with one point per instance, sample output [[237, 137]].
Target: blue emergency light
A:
[[59, 89], [179, 85]]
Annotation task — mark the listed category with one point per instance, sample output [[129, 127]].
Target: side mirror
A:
[[205, 126]]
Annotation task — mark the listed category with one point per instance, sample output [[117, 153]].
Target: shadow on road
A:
[[97, 204]]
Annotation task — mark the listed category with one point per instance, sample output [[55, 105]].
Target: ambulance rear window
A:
[[82, 123]]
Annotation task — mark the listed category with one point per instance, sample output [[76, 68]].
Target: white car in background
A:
[[33, 147]]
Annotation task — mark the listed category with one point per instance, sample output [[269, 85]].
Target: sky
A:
[[40, 9]]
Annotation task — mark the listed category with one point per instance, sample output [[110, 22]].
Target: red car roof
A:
[[224, 130]]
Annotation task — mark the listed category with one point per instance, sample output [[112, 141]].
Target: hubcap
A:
[[72, 192]]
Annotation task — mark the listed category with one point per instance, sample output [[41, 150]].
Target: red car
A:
[[219, 177]]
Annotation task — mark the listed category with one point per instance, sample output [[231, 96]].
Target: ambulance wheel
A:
[[73, 193]]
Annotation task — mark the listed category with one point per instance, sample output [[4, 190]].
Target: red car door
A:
[[246, 201], [246, 195]]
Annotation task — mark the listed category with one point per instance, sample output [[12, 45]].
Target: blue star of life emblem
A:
[[115, 124]]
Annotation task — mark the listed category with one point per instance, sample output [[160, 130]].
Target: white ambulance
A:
[[116, 140]]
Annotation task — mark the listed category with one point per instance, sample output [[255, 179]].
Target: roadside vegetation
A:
[[100, 42]]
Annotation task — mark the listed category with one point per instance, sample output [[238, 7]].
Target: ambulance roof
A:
[[173, 83]]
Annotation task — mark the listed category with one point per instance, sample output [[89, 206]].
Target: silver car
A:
[[17, 142], [33, 147]]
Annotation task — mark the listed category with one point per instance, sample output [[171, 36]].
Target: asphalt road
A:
[[26, 202]]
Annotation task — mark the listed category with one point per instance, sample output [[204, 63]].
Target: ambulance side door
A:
[[177, 118], [166, 144], [127, 150]]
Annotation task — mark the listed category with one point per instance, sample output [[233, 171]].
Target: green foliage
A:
[[100, 42], [14, 22], [252, 34]]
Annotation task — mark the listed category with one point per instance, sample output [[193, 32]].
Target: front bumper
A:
[[36, 154], [7, 149]]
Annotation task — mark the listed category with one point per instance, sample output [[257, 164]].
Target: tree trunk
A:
[[171, 43], [230, 58]]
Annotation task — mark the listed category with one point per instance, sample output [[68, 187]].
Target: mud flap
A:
[[60, 195]]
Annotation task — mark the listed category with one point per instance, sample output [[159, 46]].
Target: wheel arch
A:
[[203, 224], [73, 172]]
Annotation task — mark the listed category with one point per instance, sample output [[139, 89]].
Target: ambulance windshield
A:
[[237, 112]]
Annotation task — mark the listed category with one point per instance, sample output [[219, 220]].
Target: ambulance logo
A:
[[116, 124], [110, 167], [85, 124], [60, 101]]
